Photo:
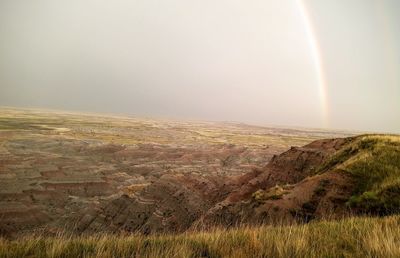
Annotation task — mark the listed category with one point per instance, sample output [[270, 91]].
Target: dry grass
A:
[[353, 237]]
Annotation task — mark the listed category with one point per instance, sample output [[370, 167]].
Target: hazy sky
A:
[[229, 60]]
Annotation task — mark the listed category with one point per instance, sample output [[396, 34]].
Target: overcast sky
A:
[[228, 60]]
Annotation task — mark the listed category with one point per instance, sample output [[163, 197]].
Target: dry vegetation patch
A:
[[353, 237]]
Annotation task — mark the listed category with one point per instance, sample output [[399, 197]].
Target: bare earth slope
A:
[[176, 203], [89, 173], [324, 179]]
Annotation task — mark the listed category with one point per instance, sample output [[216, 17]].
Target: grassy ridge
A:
[[355, 237], [374, 163]]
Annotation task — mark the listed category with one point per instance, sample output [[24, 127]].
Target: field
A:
[[353, 237]]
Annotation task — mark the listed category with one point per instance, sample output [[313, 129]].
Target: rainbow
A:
[[316, 57]]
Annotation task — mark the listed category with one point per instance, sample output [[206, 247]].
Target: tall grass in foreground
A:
[[353, 237]]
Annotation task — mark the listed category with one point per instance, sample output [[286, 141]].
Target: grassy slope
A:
[[374, 162], [355, 237]]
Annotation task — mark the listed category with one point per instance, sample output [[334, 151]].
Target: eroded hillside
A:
[[58, 170], [324, 179]]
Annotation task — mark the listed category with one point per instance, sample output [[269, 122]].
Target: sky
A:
[[317, 63]]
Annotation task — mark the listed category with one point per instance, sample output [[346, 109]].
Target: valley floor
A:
[[56, 167]]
